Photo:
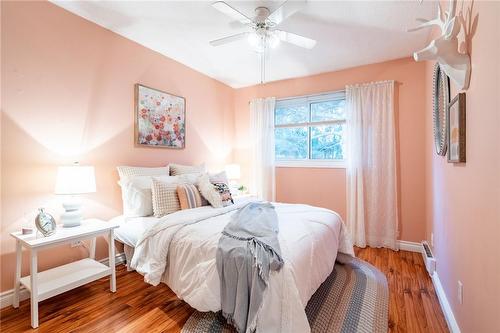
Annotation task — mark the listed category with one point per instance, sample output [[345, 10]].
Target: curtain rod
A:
[[335, 91], [310, 95]]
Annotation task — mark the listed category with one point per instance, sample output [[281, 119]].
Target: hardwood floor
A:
[[139, 307], [413, 303]]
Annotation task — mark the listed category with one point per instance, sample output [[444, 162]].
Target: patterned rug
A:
[[354, 298]]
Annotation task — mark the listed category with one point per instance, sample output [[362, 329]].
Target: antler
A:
[[442, 24], [451, 10], [428, 23]]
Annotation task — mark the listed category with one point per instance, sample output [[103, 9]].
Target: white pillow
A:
[[219, 177], [126, 172], [215, 188], [165, 198], [208, 191], [137, 195], [178, 169]]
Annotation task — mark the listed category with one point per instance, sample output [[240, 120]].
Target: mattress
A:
[[132, 228]]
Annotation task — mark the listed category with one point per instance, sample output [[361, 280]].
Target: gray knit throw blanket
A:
[[248, 250]]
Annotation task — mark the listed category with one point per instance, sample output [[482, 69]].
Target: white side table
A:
[[43, 285]]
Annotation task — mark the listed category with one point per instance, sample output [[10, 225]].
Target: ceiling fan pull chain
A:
[[263, 66]]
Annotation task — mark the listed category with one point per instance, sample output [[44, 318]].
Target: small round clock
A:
[[45, 223]]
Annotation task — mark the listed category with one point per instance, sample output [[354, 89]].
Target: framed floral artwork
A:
[[160, 118], [456, 129]]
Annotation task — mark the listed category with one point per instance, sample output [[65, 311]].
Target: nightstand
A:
[[54, 281]]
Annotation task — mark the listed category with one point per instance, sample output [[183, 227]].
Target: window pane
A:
[[291, 115], [327, 142], [291, 143], [330, 110]]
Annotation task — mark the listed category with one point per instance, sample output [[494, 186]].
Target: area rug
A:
[[354, 298]]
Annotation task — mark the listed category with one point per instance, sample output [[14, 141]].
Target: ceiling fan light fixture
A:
[[264, 34], [253, 39], [257, 41], [273, 40]]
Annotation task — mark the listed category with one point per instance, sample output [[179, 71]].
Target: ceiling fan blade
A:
[[229, 39], [287, 8], [223, 7], [295, 39]]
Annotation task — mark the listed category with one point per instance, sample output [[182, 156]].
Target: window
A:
[[310, 131]]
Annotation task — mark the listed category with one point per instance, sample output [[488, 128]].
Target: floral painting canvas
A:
[[160, 118]]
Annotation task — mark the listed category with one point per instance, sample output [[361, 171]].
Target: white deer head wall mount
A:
[[444, 49]]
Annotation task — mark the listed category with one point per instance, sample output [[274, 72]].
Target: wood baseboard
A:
[[7, 297]]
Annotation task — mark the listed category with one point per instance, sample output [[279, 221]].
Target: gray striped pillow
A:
[[190, 197]]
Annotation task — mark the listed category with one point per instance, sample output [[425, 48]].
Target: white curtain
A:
[[372, 202], [262, 137]]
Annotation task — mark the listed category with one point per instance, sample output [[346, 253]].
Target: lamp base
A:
[[234, 188], [72, 217]]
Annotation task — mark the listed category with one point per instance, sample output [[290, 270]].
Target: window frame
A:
[[308, 100]]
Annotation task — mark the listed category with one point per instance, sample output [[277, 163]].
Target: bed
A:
[[179, 250]]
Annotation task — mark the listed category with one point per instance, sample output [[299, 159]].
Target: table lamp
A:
[[233, 172], [71, 182]]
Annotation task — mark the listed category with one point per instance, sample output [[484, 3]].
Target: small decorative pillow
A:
[[165, 199], [215, 190], [178, 169], [225, 193], [190, 197]]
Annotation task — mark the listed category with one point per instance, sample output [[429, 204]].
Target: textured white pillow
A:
[[137, 195], [208, 191], [126, 172], [178, 169], [164, 197], [215, 188]]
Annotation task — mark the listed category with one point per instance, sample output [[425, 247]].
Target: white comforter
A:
[[180, 251]]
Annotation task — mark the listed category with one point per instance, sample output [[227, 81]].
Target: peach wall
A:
[[304, 185], [331, 196], [70, 96], [463, 200]]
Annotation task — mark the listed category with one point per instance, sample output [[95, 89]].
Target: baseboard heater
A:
[[429, 260]]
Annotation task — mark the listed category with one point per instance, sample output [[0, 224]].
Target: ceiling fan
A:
[[263, 32]]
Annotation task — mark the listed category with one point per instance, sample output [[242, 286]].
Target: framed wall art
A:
[[441, 100], [160, 118], [456, 129]]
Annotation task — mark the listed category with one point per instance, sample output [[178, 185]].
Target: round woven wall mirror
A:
[[441, 98]]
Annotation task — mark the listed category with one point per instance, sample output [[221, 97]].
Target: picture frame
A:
[[159, 118], [456, 115]]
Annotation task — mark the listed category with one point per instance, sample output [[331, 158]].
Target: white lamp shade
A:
[[233, 171], [75, 179]]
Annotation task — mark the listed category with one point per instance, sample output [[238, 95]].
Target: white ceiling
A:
[[349, 34]]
